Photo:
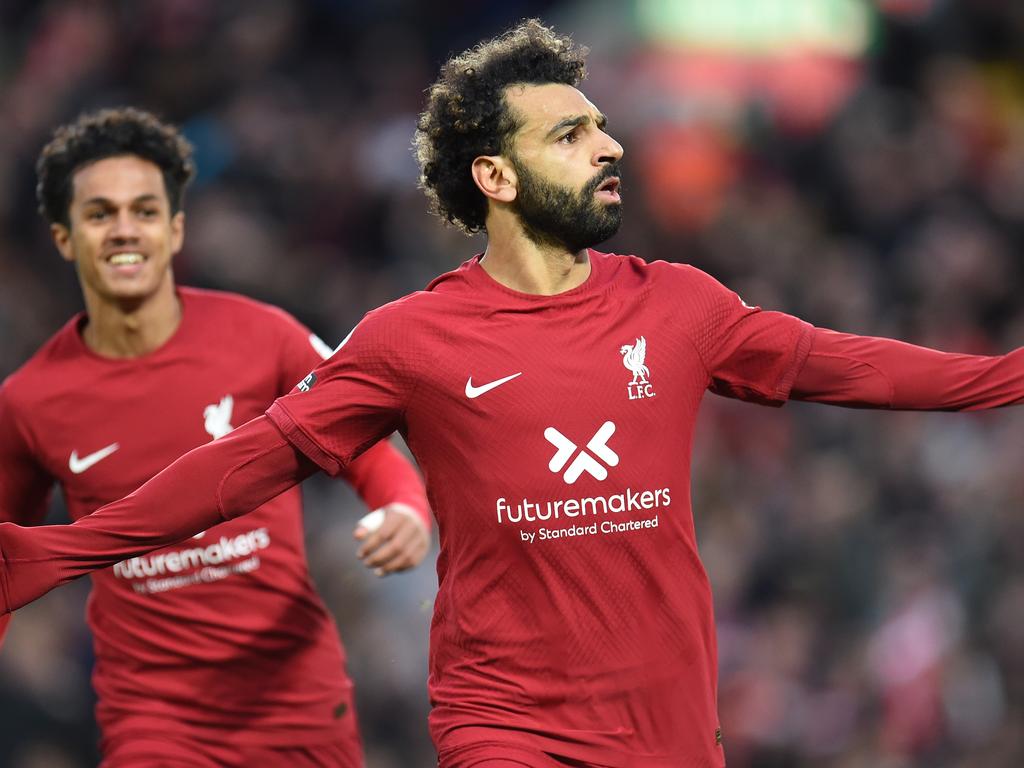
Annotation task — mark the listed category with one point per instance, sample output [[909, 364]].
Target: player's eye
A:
[[96, 215], [148, 213], [569, 138]]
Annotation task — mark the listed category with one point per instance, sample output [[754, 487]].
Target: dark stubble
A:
[[553, 215]]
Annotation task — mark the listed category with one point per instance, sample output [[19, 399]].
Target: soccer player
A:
[[215, 651], [549, 393]]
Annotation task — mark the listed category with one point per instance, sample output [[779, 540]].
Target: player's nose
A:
[[123, 227], [608, 150]]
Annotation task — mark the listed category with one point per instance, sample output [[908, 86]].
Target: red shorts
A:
[[495, 755], [157, 750]]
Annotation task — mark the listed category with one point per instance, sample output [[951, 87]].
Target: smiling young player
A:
[[215, 651], [549, 393]]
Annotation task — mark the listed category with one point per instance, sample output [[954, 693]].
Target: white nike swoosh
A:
[[79, 465], [473, 392]]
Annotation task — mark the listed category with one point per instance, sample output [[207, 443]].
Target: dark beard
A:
[[556, 216]]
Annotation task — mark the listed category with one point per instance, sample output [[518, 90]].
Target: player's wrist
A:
[[418, 513], [417, 510]]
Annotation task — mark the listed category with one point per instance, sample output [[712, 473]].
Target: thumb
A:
[[369, 523]]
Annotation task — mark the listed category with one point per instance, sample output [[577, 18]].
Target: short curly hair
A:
[[467, 116], [110, 133]]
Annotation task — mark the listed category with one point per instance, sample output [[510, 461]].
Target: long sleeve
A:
[[748, 353], [384, 476], [870, 372], [381, 475], [215, 482], [24, 485]]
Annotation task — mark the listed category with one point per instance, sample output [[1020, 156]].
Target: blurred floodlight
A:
[[759, 27]]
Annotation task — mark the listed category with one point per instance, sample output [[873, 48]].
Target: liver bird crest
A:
[[217, 417], [633, 356]]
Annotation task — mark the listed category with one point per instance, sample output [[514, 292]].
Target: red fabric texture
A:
[[231, 612], [871, 372], [573, 614], [210, 484]]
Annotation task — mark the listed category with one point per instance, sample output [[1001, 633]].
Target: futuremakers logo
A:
[[582, 515], [584, 462], [182, 567]]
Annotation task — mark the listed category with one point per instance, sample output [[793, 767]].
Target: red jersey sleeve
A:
[[24, 485], [870, 372], [217, 481], [381, 475], [351, 400], [748, 353]]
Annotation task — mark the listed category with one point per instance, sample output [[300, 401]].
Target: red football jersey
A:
[[221, 636], [554, 433]]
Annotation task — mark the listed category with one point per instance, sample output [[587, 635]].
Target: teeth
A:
[[122, 259]]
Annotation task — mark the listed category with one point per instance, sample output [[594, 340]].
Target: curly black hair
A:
[[110, 133], [467, 116]]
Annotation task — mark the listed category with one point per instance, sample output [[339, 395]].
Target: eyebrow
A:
[[573, 122], [135, 201]]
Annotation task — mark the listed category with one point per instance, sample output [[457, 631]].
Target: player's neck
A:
[[131, 329], [519, 263]]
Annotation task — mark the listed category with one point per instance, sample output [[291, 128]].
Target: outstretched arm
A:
[[870, 372], [215, 482]]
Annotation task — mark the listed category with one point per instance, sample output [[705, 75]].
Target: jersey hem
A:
[[255, 734], [470, 736]]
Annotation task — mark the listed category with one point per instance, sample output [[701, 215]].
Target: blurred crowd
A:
[[868, 567]]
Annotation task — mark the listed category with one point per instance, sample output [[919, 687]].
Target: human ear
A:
[[495, 177], [61, 235]]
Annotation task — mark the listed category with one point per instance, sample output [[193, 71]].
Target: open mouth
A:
[[609, 189], [126, 259]]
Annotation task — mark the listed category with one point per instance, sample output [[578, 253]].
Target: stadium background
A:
[[858, 164]]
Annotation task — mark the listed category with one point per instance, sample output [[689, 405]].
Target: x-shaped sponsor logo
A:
[[584, 462]]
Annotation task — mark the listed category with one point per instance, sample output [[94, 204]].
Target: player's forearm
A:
[[383, 476], [215, 482], [869, 372]]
